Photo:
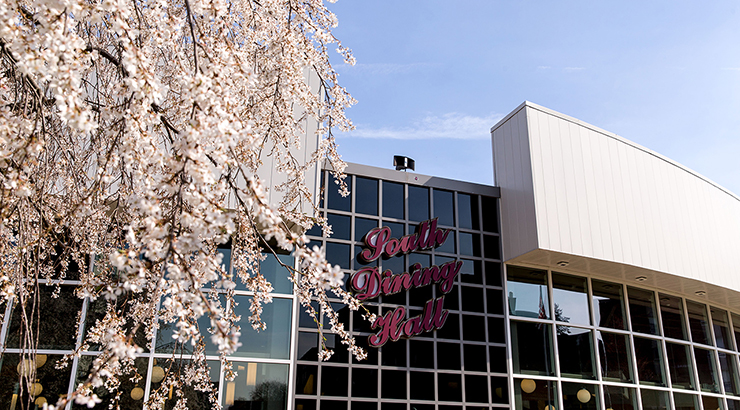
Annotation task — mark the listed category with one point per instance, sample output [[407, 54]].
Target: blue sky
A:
[[432, 77]]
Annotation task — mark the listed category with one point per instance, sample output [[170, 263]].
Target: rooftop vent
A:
[[401, 162]]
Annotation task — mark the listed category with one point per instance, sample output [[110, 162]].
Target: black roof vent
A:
[[401, 162]]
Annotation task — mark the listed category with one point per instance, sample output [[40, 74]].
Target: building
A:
[[596, 274]]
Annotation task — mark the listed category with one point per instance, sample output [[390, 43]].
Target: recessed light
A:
[[562, 264], [641, 278], [700, 293]]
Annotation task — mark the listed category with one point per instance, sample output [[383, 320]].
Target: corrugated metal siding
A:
[[599, 196]]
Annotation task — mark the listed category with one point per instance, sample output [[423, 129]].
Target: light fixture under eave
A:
[[40, 401], [549, 407], [562, 264], [137, 393], [157, 374], [528, 385], [700, 293], [641, 278], [584, 396]]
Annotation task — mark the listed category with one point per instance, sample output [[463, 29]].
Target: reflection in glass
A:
[[499, 390], [705, 366], [418, 203], [680, 366], [532, 348], [273, 342], [468, 211], [535, 394], [308, 346], [397, 229], [335, 200], [277, 274], [733, 404], [671, 309], [393, 200], [614, 354], [469, 244], [444, 207], [608, 304], [52, 382], [654, 400], [649, 361], [363, 226], [736, 329], [257, 386], [581, 396], [54, 319], [528, 292], [711, 403], [575, 352], [366, 196], [570, 294], [472, 272], [619, 398], [683, 401], [193, 397], [642, 311], [721, 328], [728, 365], [698, 322], [475, 358], [306, 379], [338, 254]]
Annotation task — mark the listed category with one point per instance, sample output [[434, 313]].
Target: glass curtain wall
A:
[[461, 364], [580, 343], [263, 362]]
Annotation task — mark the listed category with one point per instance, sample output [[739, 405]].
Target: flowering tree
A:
[[131, 133]]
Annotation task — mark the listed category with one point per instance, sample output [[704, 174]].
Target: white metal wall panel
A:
[[512, 164], [599, 196]]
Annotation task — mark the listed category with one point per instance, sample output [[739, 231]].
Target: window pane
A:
[[273, 342], [449, 387], [476, 389], [126, 388], [499, 390], [472, 272], [491, 248], [608, 304], [475, 358], [340, 226], [443, 208], [570, 295], [619, 398], [680, 366], [490, 214], [535, 394], [728, 365], [363, 226], [649, 361], [366, 196], [393, 200], [654, 400], [685, 401], [698, 322], [397, 229], [57, 327], [393, 384], [333, 381], [257, 385], [308, 346], [420, 385], [337, 201], [470, 244], [364, 382], [418, 203], [54, 382], [468, 212], [306, 379], [575, 352], [614, 352], [581, 396], [736, 330], [191, 396], [671, 309], [338, 254], [276, 274], [707, 369], [528, 292], [493, 274], [532, 348], [721, 328], [642, 311], [711, 403]]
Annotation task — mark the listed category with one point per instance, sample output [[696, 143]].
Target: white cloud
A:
[[451, 126]]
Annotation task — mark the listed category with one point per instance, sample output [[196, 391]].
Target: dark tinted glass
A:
[[332, 381], [620, 398], [422, 385], [728, 366], [364, 382], [448, 356], [707, 370], [449, 387], [336, 200], [363, 226], [496, 330], [642, 311], [491, 248], [671, 309], [493, 274], [418, 203], [680, 366], [471, 271], [338, 254], [474, 358], [421, 354], [721, 328], [683, 401], [54, 319], [698, 322], [476, 389], [472, 299], [495, 300], [470, 244], [608, 304], [451, 328], [53, 381], [308, 346], [340, 226], [277, 274], [614, 354], [497, 355], [474, 328], [305, 404], [711, 402], [535, 394], [393, 384], [650, 361], [394, 354], [393, 200], [499, 390], [489, 211], [397, 229], [366, 196], [444, 208], [306, 377], [575, 351], [654, 400], [581, 396], [532, 348], [468, 211]]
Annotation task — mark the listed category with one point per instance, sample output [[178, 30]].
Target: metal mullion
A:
[[553, 323], [292, 367], [717, 366], [659, 315], [6, 321], [594, 339], [695, 368], [633, 352]]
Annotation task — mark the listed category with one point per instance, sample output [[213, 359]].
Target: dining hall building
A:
[[594, 274]]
